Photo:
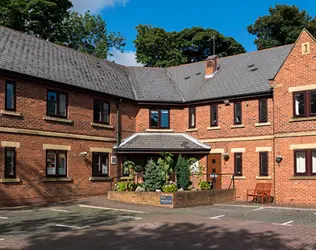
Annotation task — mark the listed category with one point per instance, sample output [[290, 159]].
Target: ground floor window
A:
[[305, 162], [238, 164], [100, 164], [263, 162], [10, 162], [56, 163]]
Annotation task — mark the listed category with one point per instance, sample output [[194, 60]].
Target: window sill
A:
[[52, 179], [56, 119], [303, 178], [239, 177], [127, 178], [159, 130], [238, 126], [214, 128], [11, 113], [300, 119], [100, 125], [191, 130], [100, 178], [263, 178], [262, 124], [10, 180]]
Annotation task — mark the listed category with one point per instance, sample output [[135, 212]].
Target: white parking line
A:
[[2, 239], [72, 227], [259, 208], [217, 217], [130, 217], [288, 224], [59, 210], [4, 218], [114, 209]]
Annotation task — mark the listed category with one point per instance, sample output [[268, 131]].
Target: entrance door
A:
[[214, 168]]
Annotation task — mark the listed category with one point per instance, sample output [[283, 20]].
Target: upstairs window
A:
[[304, 103], [10, 96], [263, 158], [238, 164], [214, 115], [159, 118], [57, 104], [263, 110], [10, 162], [192, 117], [237, 113], [101, 112], [305, 162], [56, 163], [100, 164]]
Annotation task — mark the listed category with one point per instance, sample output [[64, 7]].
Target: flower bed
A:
[[174, 200]]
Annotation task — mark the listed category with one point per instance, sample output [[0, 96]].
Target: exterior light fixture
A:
[[84, 154], [278, 158]]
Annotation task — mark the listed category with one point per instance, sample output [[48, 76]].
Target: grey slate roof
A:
[[162, 142], [31, 56]]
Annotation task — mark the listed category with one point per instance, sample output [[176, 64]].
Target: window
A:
[[9, 168], [237, 113], [100, 164], [214, 115], [192, 117], [304, 103], [159, 118], [101, 112], [263, 110], [56, 163], [238, 164], [263, 163], [305, 162], [56, 104], [10, 97]]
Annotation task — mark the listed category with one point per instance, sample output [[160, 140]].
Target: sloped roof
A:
[[238, 75], [162, 142]]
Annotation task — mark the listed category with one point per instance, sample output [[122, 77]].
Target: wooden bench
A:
[[261, 190]]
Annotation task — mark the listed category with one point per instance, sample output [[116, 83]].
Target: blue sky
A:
[[230, 17]]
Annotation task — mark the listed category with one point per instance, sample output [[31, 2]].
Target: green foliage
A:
[[183, 172], [53, 21], [154, 179], [131, 186], [170, 188], [166, 165], [281, 26], [127, 167], [204, 185], [156, 47], [121, 186]]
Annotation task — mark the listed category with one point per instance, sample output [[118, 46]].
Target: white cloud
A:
[[95, 6], [127, 58]]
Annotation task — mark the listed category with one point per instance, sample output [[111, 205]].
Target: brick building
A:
[[69, 120]]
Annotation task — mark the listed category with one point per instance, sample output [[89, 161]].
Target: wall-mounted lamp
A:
[[84, 154], [226, 102], [278, 158]]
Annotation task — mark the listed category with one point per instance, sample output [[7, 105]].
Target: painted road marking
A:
[[2, 239], [130, 217], [4, 218], [269, 207], [288, 224], [59, 210], [217, 217], [114, 209], [72, 227], [259, 208]]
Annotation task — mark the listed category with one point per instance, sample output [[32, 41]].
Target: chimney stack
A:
[[211, 64]]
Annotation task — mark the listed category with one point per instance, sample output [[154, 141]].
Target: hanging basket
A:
[[226, 156]]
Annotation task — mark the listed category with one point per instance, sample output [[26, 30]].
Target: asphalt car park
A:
[[117, 226]]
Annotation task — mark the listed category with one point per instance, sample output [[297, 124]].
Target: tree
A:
[[53, 21], [154, 178], [183, 173], [166, 165], [159, 48], [282, 26]]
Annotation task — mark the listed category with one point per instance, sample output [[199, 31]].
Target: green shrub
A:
[[183, 173], [170, 188], [121, 186], [131, 186], [154, 179], [204, 185]]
